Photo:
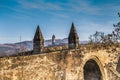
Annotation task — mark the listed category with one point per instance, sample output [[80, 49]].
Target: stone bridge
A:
[[66, 62], [84, 63]]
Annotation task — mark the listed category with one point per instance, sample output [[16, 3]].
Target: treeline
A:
[[101, 37]]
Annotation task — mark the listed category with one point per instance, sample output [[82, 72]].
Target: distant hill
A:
[[13, 48]]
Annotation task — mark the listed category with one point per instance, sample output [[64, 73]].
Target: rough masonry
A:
[[67, 62]]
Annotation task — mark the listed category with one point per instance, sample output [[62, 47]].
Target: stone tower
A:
[[73, 39], [38, 41], [53, 40]]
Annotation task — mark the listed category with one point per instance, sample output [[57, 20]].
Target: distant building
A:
[[53, 40]]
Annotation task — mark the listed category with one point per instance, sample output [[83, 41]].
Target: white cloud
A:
[[59, 14], [41, 5], [86, 6], [77, 6], [72, 6], [55, 8]]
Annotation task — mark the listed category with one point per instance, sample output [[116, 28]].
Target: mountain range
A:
[[13, 48]]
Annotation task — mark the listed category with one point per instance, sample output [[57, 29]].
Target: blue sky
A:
[[21, 17]]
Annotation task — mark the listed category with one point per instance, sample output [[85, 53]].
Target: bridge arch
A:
[[93, 67]]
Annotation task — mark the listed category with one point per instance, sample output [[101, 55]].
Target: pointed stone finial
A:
[[38, 34], [38, 41], [73, 39], [73, 29]]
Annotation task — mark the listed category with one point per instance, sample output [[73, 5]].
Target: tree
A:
[[117, 30], [113, 37], [97, 37]]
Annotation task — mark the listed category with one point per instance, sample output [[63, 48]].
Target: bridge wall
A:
[[59, 65]]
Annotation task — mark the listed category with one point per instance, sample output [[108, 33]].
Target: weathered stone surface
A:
[[118, 65], [73, 39], [61, 64], [38, 41]]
